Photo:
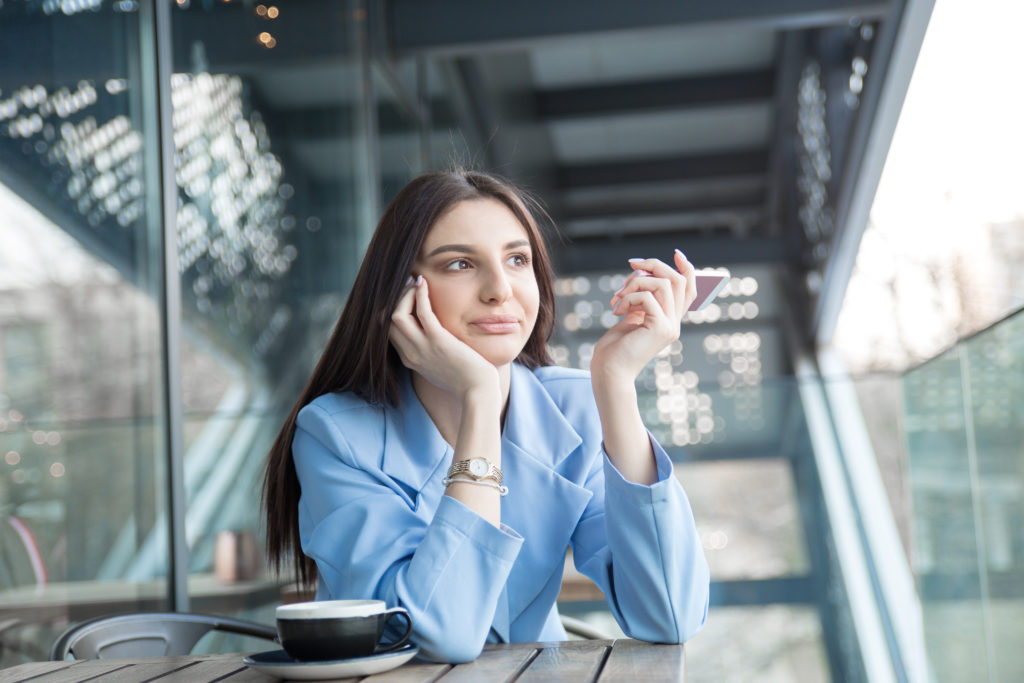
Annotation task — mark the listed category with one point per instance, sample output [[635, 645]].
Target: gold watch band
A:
[[474, 467]]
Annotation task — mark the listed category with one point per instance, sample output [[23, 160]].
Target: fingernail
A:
[[643, 273], [408, 281], [419, 280], [634, 260], [680, 253]]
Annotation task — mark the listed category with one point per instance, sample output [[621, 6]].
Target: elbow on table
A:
[[453, 646]]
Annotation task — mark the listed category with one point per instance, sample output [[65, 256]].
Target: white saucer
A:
[[278, 664]]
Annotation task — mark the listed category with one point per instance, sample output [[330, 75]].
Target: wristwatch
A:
[[477, 468]]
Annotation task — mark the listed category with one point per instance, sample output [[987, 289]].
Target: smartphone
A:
[[710, 282]]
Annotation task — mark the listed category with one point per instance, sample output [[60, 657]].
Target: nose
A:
[[495, 287]]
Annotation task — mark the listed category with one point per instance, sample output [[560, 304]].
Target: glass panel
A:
[[399, 145], [274, 199], [83, 518], [963, 426], [994, 361]]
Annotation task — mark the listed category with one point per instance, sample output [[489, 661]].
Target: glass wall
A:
[[83, 427], [287, 134], [963, 423], [274, 195]]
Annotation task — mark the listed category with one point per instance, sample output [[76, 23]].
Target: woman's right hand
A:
[[427, 348]]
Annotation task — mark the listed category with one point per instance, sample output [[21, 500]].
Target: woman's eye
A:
[[458, 264], [519, 260]]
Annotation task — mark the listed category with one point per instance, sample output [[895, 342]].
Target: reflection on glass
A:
[[272, 221], [82, 457], [963, 427]]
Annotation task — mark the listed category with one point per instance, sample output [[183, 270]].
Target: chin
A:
[[499, 356]]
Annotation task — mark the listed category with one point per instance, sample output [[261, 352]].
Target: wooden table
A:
[[576, 660]]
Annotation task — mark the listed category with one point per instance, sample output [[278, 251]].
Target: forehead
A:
[[476, 221]]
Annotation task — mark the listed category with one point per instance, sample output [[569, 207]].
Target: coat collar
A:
[[535, 423], [414, 450]]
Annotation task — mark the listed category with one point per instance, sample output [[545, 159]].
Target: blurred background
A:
[[187, 188]]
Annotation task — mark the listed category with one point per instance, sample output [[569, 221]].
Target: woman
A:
[[438, 461]]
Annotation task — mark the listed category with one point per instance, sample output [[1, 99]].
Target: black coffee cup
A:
[[337, 629]]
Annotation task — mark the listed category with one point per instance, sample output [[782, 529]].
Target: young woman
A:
[[438, 461]]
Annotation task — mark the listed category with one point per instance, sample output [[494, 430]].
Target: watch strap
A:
[[463, 467]]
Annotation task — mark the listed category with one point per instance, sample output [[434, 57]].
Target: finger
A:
[[687, 270], [424, 311], [405, 300], [629, 278], [659, 268], [639, 302], [661, 288]]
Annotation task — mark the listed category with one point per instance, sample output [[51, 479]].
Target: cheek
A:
[[531, 300], [444, 304]]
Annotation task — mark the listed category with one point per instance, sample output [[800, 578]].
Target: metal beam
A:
[[670, 93], [463, 26], [786, 590], [589, 255], [735, 217], [695, 167], [740, 201]]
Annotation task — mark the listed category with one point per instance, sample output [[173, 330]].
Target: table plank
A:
[[72, 672], [573, 661], [497, 663], [411, 672], [23, 672], [640, 662], [159, 668]]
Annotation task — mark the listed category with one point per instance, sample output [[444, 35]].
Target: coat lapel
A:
[[542, 505], [414, 450], [537, 439]]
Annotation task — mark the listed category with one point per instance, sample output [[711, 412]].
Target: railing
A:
[[964, 423]]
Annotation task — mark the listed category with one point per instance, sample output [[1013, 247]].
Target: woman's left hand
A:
[[652, 303]]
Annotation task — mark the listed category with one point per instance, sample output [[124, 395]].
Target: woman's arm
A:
[[430, 553], [652, 303], [428, 349]]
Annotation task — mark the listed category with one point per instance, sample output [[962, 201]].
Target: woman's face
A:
[[478, 265]]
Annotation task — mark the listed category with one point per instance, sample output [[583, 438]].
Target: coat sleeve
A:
[[639, 544], [368, 542]]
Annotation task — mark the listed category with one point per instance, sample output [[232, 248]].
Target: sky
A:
[[955, 166]]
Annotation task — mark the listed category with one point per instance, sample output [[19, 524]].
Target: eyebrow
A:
[[466, 249]]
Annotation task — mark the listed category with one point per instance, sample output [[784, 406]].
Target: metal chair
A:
[[148, 634], [583, 630]]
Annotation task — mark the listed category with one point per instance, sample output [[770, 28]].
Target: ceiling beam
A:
[[737, 217], [695, 167], [671, 93], [667, 205], [461, 26], [602, 254]]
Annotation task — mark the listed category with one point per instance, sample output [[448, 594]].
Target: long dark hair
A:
[[359, 358]]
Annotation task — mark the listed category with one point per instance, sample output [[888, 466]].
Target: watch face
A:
[[478, 467]]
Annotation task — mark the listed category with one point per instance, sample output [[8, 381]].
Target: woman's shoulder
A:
[[339, 406]]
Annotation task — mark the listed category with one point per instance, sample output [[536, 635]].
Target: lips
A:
[[497, 324]]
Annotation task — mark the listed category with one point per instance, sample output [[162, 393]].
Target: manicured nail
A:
[[408, 281], [419, 280], [634, 260], [643, 273]]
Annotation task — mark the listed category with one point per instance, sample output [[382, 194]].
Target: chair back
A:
[[151, 634]]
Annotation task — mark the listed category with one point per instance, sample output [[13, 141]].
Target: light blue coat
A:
[[374, 517]]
